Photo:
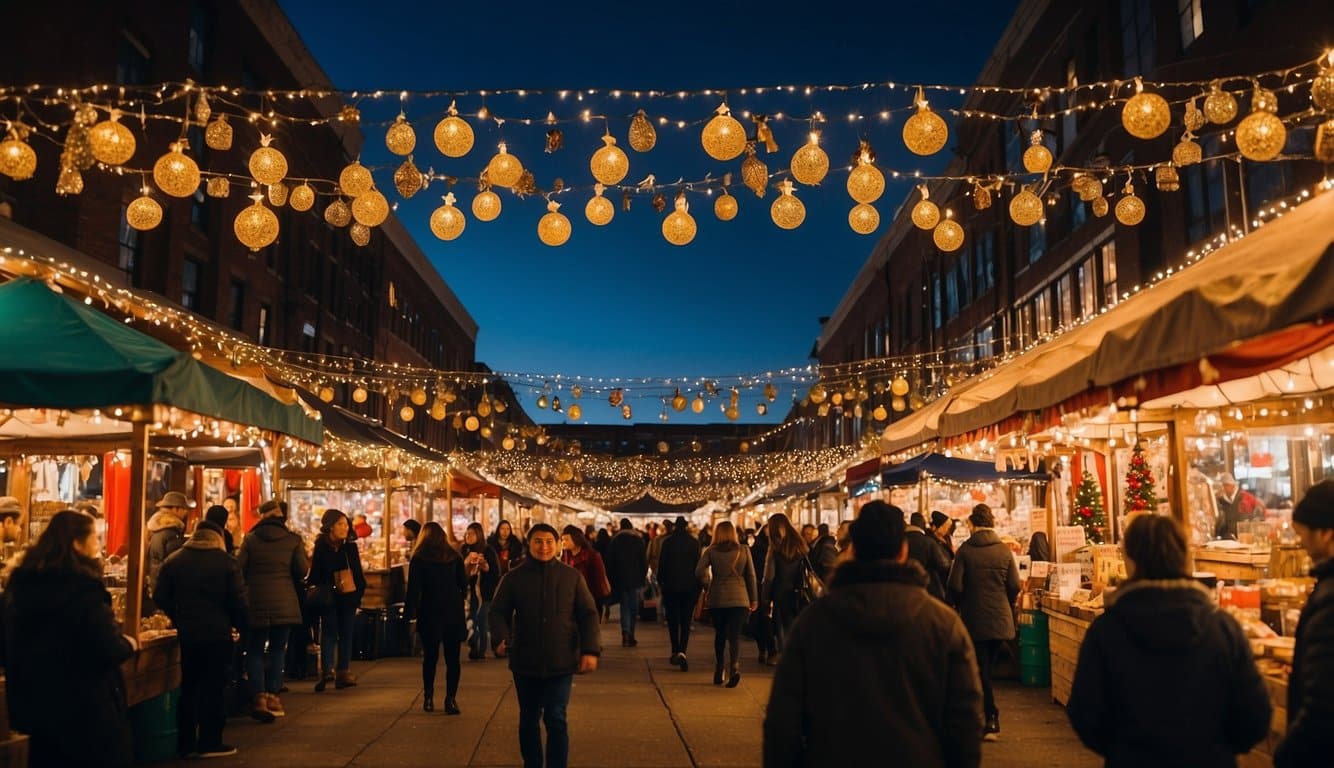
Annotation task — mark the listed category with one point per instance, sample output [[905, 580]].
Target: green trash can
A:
[[154, 725], [1034, 651]]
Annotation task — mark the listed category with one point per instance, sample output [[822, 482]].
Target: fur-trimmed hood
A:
[[162, 520], [1163, 614]]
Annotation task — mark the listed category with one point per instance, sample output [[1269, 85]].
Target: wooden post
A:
[[276, 474], [1178, 494], [134, 573], [449, 496]]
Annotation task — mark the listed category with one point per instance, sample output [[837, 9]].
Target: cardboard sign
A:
[[1068, 539], [1067, 579], [1039, 569]]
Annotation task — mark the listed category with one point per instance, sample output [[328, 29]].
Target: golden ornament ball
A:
[[111, 142], [925, 215], [407, 179], [880, 414], [787, 211], [218, 134], [1220, 107], [359, 395], [609, 164], [1166, 178], [18, 161], [202, 110], [1130, 209], [447, 222], [267, 165], [278, 194], [899, 387], [948, 236], [1322, 90], [1100, 206], [770, 392], [1146, 115], [486, 206], [575, 412], [599, 211], [1264, 100], [1087, 187], [1194, 118], [218, 186], [723, 138], [302, 197], [406, 413], [1037, 159], [866, 183], [438, 411], [554, 227], [817, 393], [338, 214], [1323, 148], [255, 226], [925, 133], [70, 181], [679, 226], [486, 432], [78, 152], [360, 234], [626, 412], [418, 396], [697, 405], [143, 213], [864, 218], [499, 405], [642, 134], [370, 209], [836, 398], [1026, 208], [898, 404], [507, 443], [504, 170], [810, 164], [679, 401], [327, 394], [1261, 136], [400, 138], [453, 136], [355, 180], [725, 207], [176, 173], [1187, 152], [732, 413], [754, 173], [981, 197]]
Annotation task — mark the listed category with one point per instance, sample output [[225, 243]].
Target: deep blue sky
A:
[[745, 296]]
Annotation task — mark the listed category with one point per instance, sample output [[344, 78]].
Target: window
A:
[[131, 61], [936, 302], [130, 246], [307, 337], [1109, 272], [984, 263], [1065, 294], [964, 267], [1037, 241], [1086, 276], [951, 296], [1042, 313], [985, 340], [238, 304], [1192, 21], [1078, 211], [190, 284], [1069, 122], [1206, 196], [198, 38], [1138, 37], [263, 335]]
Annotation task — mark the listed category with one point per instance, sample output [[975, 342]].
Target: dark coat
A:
[[984, 582], [759, 550], [166, 534], [436, 593], [201, 590], [1207, 702], [877, 657], [484, 581], [273, 563], [824, 557], [509, 554], [325, 560], [63, 651], [589, 565], [926, 550], [1310, 738], [676, 562], [547, 618], [627, 561], [780, 579]]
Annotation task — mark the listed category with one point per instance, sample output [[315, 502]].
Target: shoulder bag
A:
[[344, 581], [809, 585]]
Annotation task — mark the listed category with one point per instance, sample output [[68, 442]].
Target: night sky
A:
[[745, 296]]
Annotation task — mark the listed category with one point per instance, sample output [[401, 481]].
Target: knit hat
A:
[[217, 514], [938, 519], [1316, 509], [877, 533]]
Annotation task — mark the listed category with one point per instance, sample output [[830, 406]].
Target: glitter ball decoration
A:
[[1187, 152], [359, 394], [599, 211], [255, 226], [679, 226], [400, 138], [218, 134], [1194, 118], [407, 413], [176, 173], [1264, 100], [486, 206], [754, 172], [70, 181], [1026, 208], [453, 136], [817, 393], [278, 195], [865, 183], [981, 197], [360, 234], [679, 401], [218, 186], [864, 218], [1037, 158], [355, 180], [899, 387], [1146, 115], [370, 209], [925, 215], [925, 133], [554, 227], [78, 151], [787, 211], [1322, 90], [447, 222], [267, 164], [898, 404], [504, 170], [327, 394], [1220, 107], [810, 164], [302, 197], [948, 236], [18, 161], [1261, 134], [1166, 178], [574, 413], [880, 413], [1100, 206], [725, 207], [1130, 209], [1086, 186], [143, 213], [643, 137], [111, 142], [609, 163], [202, 109], [338, 214], [723, 137], [407, 179], [438, 413]]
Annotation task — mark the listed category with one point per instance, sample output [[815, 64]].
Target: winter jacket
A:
[[509, 554], [589, 565], [545, 614], [1310, 739], [1206, 701], [273, 564], [436, 593], [325, 561], [63, 651], [983, 583], [876, 658], [728, 572], [627, 561], [677, 561], [759, 551], [201, 590], [782, 578], [824, 557], [486, 581], [166, 534], [926, 550], [655, 553]]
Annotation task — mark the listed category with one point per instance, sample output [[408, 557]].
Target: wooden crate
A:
[[153, 670], [1060, 689]]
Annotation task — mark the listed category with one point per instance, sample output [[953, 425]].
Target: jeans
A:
[[338, 622], [201, 712], [431, 643], [544, 699], [680, 610], [481, 628], [727, 632], [986, 658], [630, 602], [266, 671]]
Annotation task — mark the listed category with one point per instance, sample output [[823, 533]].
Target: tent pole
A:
[[449, 498], [134, 572], [1178, 493]]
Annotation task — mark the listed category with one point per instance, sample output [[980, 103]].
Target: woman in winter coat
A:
[[509, 548], [784, 569], [727, 570], [63, 651], [1162, 634], [334, 561], [577, 553], [437, 584], [483, 567]]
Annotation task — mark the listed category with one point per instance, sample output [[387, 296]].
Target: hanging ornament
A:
[[1130, 209], [447, 222], [770, 392], [1261, 134], [764, 134], [1026, 208], [787, 211], [615, 397], [723, 137], [326, 393], [111, 142], [948, 235], [143, 213], [78, 151], [527, 184], [555, 141], [659, 202], [679, 226], [697, 405], [486, 206], [981, 197], [202, 109], [1145, 115], [359, 394], [370, 209], [817, 393], [880, 414], [278, 194], [810, 164], [642, 134], [609, 164], [218, 134], [725, 207], [599, 211], [1086, 186], [350, 115], [626, 412], [355, 179], [679, 401], [472, 424], [754, 173], [1037, 158], [1219, 105], [453, 136], [864, 218], [338, 214], [1100, 206], [255, 226], [865, 183], [267, 164], [542, 401], [898, 404], [1187, 152], [575, 412], [925, 133], [360, 234], [1322, 87], [554, 227], [18, 161], [1324, 142], [176, 173], [504, 170], [1166, 178], [438, 413], [218, 186], [1194, 118], [70, 181], [925, 215], [400, 138], [407, 179]]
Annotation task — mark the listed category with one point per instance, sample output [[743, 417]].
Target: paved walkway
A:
[[636, 710]]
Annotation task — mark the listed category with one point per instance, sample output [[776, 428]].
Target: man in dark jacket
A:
[[927, 552], [544, 617], [876, 655], [984, 583], [1310, 739], [273, 564], [166, 531], [627, 569], [761, 628], [200, 589], [824, 552], [676, 562]]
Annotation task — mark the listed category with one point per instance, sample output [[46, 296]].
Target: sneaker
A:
[[992, 731], [276, 705], [222, 750]]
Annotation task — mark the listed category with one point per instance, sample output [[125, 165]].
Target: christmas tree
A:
[[1088, 508], [1140, 496]]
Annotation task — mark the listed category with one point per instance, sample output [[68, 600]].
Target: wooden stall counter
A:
[[1066, 635], [385, 587], [1229, 565], [154, 669]]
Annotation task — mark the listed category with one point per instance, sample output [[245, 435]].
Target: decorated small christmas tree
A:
[[1088, 508], [1140, 496]]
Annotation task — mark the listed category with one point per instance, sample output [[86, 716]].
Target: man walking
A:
[[627, 569], [680, 588], [544, 616], [273, 563], [1310, 740], [926, 550]]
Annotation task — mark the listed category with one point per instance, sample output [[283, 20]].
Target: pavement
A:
[[635, 711]]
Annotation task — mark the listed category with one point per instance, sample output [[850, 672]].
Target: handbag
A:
[[702, 606], [809, 585], [344, 581]]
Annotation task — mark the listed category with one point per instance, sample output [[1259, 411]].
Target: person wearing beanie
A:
[[1310, 740], [926, 550], [273, 562], [337, 582], [627, 568], [876, 655], [216, 518]]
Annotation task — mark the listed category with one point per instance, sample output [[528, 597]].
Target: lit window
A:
[[1192, 21]]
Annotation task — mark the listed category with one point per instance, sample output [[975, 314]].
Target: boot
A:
[[718, 673], [259, 709], [451, 706], [276, 705], [735, 678], [684, 664], [345, 680], [992, 730], [428, 701], [633, 642], [325, 678], [625, 639]]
